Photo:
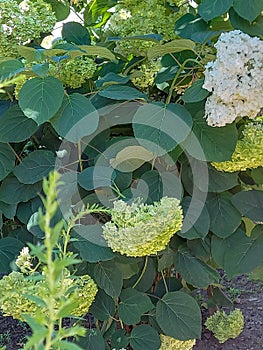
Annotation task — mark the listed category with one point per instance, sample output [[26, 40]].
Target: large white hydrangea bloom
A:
[[235, 79]]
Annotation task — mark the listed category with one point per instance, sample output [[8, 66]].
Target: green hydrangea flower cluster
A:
[[22, 22], [248, 153], [15, 286], [169, 343], [225, 326], [74, 72], [146, 74], [140, 229], [134, 18]]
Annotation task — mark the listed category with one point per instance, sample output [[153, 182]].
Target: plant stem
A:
[[181, 68], [142, 273]]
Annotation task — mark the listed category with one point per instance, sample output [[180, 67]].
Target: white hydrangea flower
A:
[[235, 79], [24, 260]]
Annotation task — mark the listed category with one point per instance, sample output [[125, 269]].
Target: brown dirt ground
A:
[[248, 297]]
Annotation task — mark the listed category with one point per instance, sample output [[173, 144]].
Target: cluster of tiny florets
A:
[[22, 22], [248, 153], [24, 261], [140, 229], [134, 18], [225, 326], [169, 343], [74, 72], [15, 286], [144, 76], [235, 79]]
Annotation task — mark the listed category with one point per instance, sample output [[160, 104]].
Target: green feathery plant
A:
[[50, 292]]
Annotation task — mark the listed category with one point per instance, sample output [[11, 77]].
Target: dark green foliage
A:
[[111, 140]]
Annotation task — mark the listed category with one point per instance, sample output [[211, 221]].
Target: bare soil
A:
[[247, 295]]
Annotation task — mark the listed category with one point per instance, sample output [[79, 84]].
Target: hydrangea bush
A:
[[151, 111]]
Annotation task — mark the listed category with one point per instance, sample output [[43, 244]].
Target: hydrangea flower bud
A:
[[169, 343], [140, 229], [225, 326], [75, 72], [134, 18], [249, 151], [15, 286], [146, 74]]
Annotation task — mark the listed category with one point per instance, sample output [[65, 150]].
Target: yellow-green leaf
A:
[[171, 47]]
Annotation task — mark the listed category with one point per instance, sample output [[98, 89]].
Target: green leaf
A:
[[100, 51], [179, 316], [96, 177], [133, 305], [9, 250], [112, 78], [25, 210], [193, 270], [249, 11], [238, 253], [196, 219], [61, 10], [146, 37], [90, 243], [40, 99], [96, 12], [254, 29], [108, 277], [93, 340], [165, 74], [200, 248], [7, 160], [76, 118], [225, 218], [66, 309], [37, 300], [144, 337], [249, 204], [160, 128], [12, 191], [9, 130], [103, 307], [131, 158], [220, 181], [31, 54], [9, 210], [117, 92], [173, 46], [195, 93], [256, 174], [153, 191], [209, 9], [128, 270], [66, 345], [211, 143], [74, 32], [35, 166], [193, 27], [119, 340], [10, 68], [91, 233], [257, 273], [41, 69]]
